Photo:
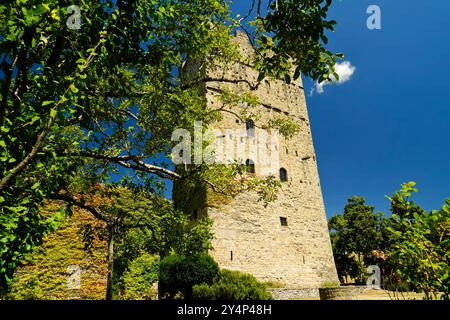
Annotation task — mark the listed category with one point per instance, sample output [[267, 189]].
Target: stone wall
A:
[[294, 294], [250, 237], [342, 293]]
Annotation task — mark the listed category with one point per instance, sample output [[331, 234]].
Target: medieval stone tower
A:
[[286, 242]]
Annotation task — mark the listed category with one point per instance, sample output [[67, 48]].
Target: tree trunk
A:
[[109, 281]]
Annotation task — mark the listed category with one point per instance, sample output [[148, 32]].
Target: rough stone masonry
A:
[[288, 241]]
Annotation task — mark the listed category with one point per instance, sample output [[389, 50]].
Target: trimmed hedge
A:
[[178, 274], [232, 285]]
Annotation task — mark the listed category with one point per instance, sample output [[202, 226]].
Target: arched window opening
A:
[[283, 175], [250, 127], [250, 166]]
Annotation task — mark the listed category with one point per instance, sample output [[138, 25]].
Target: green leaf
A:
[[46, 103], [35, 185], [53, 113], [73, 88]]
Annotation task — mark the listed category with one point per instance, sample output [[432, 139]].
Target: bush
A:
[[178, 274], [141, 274], [232, 285]]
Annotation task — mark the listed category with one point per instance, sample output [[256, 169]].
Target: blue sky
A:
[[390, 122]]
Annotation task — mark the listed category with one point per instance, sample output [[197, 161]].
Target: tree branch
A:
[[36, 148], [5, 89], [99, 156], [235, 114], [160, 171], [137, 164], [71, 200], [40, 139], [210, 79]]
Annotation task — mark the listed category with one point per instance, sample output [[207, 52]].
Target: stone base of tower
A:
[[252, 239]]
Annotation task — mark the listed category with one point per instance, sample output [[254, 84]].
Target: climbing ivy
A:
[[44, 275]]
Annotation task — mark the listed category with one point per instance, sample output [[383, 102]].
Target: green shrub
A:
[[178, 274], [232, 285], [139, 278]]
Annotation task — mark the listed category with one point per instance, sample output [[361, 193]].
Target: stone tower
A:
[[286, 242]]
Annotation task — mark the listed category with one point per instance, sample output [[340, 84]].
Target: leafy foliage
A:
[[232, 285], [144, 226], [44, 274], [141, 274], [292, 34], [180, 273], [354, 235], [411, 247], [145, 222], [420, 252]]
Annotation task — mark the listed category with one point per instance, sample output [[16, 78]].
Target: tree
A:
[[145, 228], [155, 228], [138, 223], [420, 250], [355, 234], [103, 100]]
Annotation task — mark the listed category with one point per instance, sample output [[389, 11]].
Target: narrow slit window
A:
[[283, 175], [250, 166], [283, 221], [250, 127]]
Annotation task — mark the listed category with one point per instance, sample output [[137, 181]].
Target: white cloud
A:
[[345, 70]]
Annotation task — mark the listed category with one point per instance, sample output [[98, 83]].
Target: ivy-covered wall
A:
[[45, 272]]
